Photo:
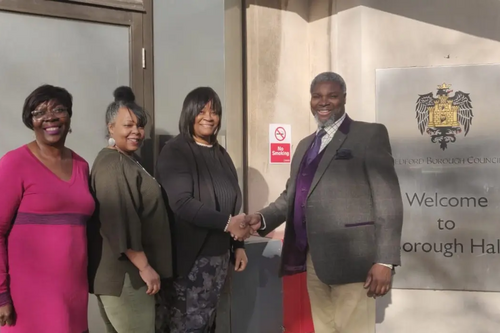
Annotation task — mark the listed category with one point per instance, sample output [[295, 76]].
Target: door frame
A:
[[140, 23]]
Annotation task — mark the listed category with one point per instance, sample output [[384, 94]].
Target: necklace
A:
[[138, 164], [146, 171], [204, 145]]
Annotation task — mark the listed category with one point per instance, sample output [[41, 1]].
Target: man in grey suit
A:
[[343, 211]]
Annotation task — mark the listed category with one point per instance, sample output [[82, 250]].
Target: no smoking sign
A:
[[280, 143], [280, 134]]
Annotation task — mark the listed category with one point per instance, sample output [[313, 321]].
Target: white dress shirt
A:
[[330, 130]]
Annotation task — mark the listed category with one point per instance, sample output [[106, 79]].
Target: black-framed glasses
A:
[[40, 114]]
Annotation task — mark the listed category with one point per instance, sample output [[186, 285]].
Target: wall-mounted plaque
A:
[[444, 124]]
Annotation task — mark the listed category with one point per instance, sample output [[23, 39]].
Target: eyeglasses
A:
[[40, 114]]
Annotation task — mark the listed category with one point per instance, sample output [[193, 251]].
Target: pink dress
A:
[[43, 244]]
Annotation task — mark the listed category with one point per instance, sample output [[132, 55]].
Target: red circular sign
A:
[[280, 133]]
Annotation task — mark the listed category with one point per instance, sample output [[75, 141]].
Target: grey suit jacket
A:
[[354, 210]]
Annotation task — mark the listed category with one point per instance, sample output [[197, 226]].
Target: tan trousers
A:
[[341, 308], [132, 312]]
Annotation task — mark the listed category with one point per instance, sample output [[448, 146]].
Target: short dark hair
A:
[[44, 94], [124, 97], [329, 77], [194, 102]]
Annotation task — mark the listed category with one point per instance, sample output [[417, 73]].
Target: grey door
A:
[[88, 59]]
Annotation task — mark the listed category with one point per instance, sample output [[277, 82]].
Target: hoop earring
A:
[[111, 142]]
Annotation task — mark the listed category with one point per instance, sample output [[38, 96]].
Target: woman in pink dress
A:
[[45, 205]]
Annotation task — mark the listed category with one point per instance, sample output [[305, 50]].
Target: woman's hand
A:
[[239, 228], [148, 274], [6, 315], [241, 260], [152, 280]]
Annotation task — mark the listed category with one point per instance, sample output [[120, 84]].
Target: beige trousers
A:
[[341, 308], [132, 312]]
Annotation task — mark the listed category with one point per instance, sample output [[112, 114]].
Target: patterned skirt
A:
[[188, 304]]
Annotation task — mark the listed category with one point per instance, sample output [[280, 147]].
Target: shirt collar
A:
[[332, 127]]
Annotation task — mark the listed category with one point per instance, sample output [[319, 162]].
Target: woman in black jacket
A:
[[201, 184]]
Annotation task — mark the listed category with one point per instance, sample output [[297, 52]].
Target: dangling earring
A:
[[111, 142], [70, 131]]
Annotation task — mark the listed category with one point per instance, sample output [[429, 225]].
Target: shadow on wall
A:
[[382, 304], [258, 192], [477, 18], [286, 5], [259, 197]]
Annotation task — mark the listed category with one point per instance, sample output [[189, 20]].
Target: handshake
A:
[[243, 226]]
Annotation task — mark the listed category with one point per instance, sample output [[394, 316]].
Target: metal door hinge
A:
[[143, 58]]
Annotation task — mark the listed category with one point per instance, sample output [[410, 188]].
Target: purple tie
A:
[[314, 150]]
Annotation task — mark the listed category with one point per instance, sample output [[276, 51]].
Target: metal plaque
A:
[[444, 125]]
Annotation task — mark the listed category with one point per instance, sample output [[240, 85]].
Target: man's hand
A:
[[378, 281], [255, 222], [239, 227], [241, 260], [6, 315]]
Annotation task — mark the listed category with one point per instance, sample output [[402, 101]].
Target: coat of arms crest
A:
[[443, 116]]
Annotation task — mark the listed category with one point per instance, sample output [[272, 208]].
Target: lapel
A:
[[300, 154], [331, 150], [297, 158]]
